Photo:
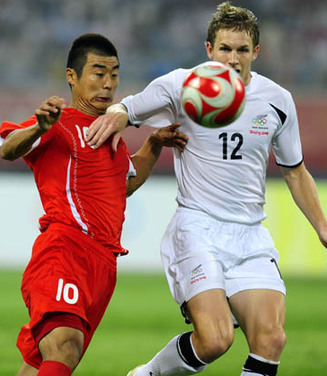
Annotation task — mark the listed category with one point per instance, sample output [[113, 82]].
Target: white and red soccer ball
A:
[[213, 95]]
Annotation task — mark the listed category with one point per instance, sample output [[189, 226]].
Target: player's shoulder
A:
[[175, 76], [69, 112], [270, 91], [171, 82], [267, 85]]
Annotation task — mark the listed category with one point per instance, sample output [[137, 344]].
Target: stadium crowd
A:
[[156, 36], [153, 38]]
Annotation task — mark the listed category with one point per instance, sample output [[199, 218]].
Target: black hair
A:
[[86, 43]]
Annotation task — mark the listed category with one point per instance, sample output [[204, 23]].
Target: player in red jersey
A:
[[71, 276]]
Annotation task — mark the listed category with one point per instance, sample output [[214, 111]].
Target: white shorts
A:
[[200, 253]]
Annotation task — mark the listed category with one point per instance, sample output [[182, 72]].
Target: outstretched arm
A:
[[113, 122], [20, 141], [305, 195], [145, 158]]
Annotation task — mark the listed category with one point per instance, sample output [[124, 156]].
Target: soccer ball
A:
[[213, 95]]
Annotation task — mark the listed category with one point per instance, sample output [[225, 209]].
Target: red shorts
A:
[[69, 272]]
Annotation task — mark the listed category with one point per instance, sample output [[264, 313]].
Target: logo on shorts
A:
[[197, 274]]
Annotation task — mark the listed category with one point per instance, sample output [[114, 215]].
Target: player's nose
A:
[[233, 58], [107, 82]]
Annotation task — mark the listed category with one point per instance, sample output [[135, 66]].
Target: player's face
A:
[[94, 91], [235, 49]]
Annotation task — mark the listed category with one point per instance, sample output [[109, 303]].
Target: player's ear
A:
[[255, 52], [71, 76], [209, 49]]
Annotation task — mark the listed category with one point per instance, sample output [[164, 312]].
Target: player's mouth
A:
[[233, 66], [103, 99]]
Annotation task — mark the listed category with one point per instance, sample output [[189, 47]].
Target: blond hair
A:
[[228, 16]]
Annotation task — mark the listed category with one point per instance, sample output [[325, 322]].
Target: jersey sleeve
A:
[[287, 143], [153, 106], [131, 169], [7, 127]]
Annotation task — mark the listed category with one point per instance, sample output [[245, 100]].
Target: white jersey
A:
[[222, 171]]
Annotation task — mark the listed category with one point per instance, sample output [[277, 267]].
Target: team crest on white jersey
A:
[[259, 125]]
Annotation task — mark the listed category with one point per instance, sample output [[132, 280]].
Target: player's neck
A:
[[85, 108]]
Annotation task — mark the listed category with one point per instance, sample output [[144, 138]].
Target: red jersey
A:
[[78, 185]]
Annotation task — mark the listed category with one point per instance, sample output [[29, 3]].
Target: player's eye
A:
[[224, 48], [99, 74]]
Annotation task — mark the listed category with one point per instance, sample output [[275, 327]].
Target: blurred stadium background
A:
[[154, 37]]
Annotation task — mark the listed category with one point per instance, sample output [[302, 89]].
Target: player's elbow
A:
[[129, 192], [134, 183], [131, 188], [7, 153]]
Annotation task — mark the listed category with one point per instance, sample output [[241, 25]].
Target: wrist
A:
[[117, 108], [39, 130], [121, 110], [118, 113], [155, 142]]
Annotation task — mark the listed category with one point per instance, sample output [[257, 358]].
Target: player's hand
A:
[[112, 123], [170, 136], [49, 112]]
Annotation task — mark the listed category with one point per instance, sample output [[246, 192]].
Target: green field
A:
[[142, 318]]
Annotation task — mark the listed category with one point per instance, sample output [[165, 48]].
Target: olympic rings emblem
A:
[[259, 120]]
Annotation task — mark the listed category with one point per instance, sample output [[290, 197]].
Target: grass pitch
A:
[[142, 318]]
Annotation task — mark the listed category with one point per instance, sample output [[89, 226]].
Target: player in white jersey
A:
[[228, 165], [218, 258]]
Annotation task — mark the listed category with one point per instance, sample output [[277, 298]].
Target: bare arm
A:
[[20, 141], [145, 158], [113, 122], [305, 195]]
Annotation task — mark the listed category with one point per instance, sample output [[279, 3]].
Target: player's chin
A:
[[102, 106]]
